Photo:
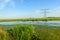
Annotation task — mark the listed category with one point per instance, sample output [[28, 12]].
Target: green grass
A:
[[29, 32], [31, 19], [48, 33], [4, 35]]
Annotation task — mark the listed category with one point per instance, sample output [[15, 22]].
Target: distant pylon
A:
[[45, 11]]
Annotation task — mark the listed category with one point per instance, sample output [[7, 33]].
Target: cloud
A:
[[4, 16], [4, 3], [1, 6], [36, 14], [13, 4], [54, 12]]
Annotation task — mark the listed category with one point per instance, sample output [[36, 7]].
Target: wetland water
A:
[[48, 23]]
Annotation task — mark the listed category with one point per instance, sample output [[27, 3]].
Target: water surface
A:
[[48, 23]]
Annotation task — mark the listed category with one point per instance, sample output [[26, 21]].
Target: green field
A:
[[29, 32], [32, 19]]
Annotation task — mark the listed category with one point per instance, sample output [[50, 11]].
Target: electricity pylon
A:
[[45, 11]]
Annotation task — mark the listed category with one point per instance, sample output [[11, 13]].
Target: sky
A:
[[29, 8]]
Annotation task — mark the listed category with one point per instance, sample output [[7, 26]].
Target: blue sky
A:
[[29, 8]]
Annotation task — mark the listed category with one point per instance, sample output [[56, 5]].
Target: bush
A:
[[22, 32]]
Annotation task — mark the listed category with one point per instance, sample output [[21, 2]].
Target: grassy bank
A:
[[29, 32], [32, 19]]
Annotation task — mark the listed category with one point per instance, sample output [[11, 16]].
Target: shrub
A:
[[22, 32]]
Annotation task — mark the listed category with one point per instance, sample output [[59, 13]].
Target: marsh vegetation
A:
[[29, 32]]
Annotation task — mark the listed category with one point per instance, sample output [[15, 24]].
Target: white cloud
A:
[[36, 14], [1, 6], [13, 4], [4, 3], [4, 16], [54, 12], [7, 0], [51, 13]]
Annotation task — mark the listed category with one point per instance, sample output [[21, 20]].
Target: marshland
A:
[[29, 19], [30, 30]]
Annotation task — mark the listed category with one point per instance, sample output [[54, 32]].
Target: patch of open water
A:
[[48, 23]]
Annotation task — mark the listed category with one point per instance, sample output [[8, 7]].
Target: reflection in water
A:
[[48, 23]]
